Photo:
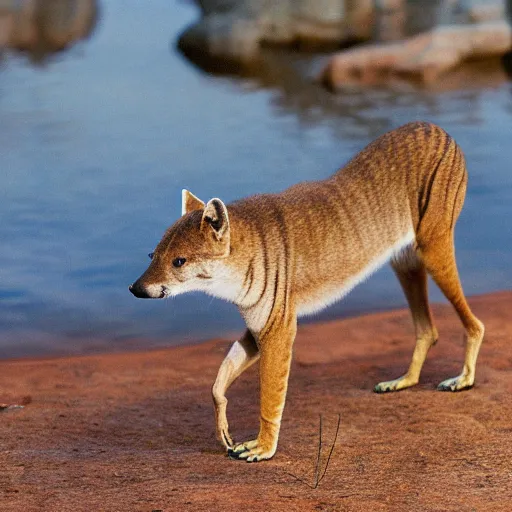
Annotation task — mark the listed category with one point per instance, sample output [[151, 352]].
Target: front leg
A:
[[276, 355], [241, 355]]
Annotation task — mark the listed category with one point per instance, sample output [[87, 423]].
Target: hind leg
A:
[[412, 275], [439, 259]]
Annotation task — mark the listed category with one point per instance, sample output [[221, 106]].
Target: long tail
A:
[[443, 196]]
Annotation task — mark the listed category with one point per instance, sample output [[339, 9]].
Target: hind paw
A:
[[394, 385], [456, 383]]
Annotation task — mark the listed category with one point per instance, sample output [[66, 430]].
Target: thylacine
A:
[[277, 256]]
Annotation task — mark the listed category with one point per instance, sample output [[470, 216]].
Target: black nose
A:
[[139, 291]]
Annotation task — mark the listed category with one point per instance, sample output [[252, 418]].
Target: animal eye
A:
[[178, 262], [151, 254]]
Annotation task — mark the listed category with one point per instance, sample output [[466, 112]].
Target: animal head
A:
[[192, 255]]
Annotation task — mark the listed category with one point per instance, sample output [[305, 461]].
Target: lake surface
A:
[[96, 145]]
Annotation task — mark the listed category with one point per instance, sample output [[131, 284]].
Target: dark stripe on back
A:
[[424, 199]]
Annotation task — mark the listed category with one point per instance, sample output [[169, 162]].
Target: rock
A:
[[322, 20], [10, 407], [458, 30], [390, 18], [231, 32], [423, 57], [234, 30], [477, 11], [222, 44], [359, 19], [42, 27]]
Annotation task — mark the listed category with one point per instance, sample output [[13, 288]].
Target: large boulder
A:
[[424, 57], [43, 27], [461, 30], [453, 31], [230, 33]]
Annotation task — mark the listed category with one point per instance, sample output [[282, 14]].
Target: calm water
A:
[[96, 146]]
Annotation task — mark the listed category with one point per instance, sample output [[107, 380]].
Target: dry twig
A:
[[319, 478]]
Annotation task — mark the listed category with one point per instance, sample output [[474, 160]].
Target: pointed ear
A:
[[215, 216], [189, 202]]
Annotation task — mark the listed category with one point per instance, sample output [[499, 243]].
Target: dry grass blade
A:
[[332, 448], [318, 455], [319, 478]]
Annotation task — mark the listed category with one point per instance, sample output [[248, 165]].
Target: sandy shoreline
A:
[[135, 431]]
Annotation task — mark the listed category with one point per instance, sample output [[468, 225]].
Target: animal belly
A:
[[326, 294]]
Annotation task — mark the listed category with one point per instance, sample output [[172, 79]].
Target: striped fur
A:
[[281, 255]]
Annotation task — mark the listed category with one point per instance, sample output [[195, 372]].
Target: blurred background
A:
[[109, 108]]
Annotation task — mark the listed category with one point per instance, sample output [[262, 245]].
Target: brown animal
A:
[[278, 256]]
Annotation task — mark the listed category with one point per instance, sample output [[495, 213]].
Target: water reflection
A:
[[355, 111], [96, 148], [40, 28]]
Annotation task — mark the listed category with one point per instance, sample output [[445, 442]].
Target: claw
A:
[[233, 455], [248, 445], [379, 388], [250, 452]]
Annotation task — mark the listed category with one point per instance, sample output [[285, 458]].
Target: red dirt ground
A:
[[135, 432]]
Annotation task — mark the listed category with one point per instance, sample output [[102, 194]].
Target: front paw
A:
[[252, 451], [222, 427]]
